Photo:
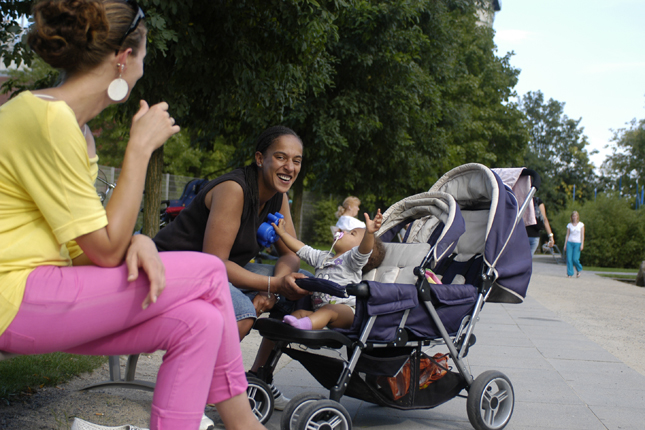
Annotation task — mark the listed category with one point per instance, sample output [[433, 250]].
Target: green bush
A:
[[324, 218], [614, 232]]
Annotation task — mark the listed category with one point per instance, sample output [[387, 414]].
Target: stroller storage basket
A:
[[371, 386]]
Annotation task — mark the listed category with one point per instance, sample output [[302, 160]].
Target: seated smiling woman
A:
[[223, 220]]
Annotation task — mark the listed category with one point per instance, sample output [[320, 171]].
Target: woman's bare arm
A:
[[151, 127]]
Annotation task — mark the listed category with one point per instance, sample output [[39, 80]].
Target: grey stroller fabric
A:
[[427, 214]]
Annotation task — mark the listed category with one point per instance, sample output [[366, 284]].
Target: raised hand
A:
[[152, 126], [372, 226]]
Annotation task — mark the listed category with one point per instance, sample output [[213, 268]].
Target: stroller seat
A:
[[397, 268]]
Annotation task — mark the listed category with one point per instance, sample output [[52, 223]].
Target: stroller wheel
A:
[[490, 401], [294, 408], [324, 414], [260, 398]]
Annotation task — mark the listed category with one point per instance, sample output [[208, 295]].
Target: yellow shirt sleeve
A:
[[57, 176], [72, 247]]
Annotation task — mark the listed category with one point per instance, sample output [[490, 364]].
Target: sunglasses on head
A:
[[135, 21]]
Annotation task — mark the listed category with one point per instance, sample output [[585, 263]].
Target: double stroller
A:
[[464, 231]]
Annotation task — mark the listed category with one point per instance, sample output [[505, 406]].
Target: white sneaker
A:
[[79, 424], [206, 424], [279, 400]]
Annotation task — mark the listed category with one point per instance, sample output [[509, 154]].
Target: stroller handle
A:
[[360, 290]]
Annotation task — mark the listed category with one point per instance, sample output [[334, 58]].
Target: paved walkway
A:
[[574, 351]]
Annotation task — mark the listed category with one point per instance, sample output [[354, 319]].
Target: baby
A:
[[354, 249]]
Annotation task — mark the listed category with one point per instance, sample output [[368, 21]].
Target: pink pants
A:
[[91, 310]]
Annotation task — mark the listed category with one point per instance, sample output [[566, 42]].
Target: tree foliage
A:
[[11, 48], [387, 95], [557, 150], [626, 159], [417, 91]]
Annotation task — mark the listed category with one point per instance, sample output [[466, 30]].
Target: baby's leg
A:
[[336, 316], [301, 313]]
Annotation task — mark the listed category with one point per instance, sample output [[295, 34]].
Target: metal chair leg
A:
[[115, 380]]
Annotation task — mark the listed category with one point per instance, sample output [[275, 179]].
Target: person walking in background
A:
[[574, 243], [533, 231], [347, 213]]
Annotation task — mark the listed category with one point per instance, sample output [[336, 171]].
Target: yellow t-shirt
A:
[[72, 247], [47, 194]]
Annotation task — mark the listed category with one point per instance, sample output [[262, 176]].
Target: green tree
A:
[[11, 29], [557, 151], [626, 159], [417, 91]]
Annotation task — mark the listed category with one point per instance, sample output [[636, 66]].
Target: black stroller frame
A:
[[490, 399]]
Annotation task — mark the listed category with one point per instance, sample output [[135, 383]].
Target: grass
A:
[[25, 374], [610, 269], [617, 275]]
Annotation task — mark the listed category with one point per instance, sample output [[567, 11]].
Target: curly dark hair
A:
[[77, 35]]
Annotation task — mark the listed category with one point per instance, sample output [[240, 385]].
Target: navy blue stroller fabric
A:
[[475, 186], [323, 286], [389, 302]]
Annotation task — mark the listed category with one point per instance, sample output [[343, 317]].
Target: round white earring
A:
[[118, 88], [260, 165]]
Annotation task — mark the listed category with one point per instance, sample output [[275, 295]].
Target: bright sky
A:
[[589, 54]]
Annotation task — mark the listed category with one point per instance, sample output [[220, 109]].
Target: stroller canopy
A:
[[491, 212], [433, 217]]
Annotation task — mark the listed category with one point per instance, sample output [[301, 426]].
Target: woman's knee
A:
[[204, 274], [202, 319], [198, 265], [244, 326]]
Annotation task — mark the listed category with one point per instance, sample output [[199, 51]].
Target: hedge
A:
[[614, 232]]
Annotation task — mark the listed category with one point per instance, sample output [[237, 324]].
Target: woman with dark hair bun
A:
[[73, 278]]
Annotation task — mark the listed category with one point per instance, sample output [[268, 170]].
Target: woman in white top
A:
[[574, 243]]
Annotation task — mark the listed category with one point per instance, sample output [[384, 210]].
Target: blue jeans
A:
[[534, 242], [573, 258], [243, 299]]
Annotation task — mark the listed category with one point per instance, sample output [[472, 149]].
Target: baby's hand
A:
[[279, 229], [373, 225]]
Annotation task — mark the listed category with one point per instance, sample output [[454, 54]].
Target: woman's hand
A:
[[263, 303], [143, 254], [287, 286], [152, 126]]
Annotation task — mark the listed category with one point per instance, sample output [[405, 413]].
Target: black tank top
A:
[[186, 232]]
